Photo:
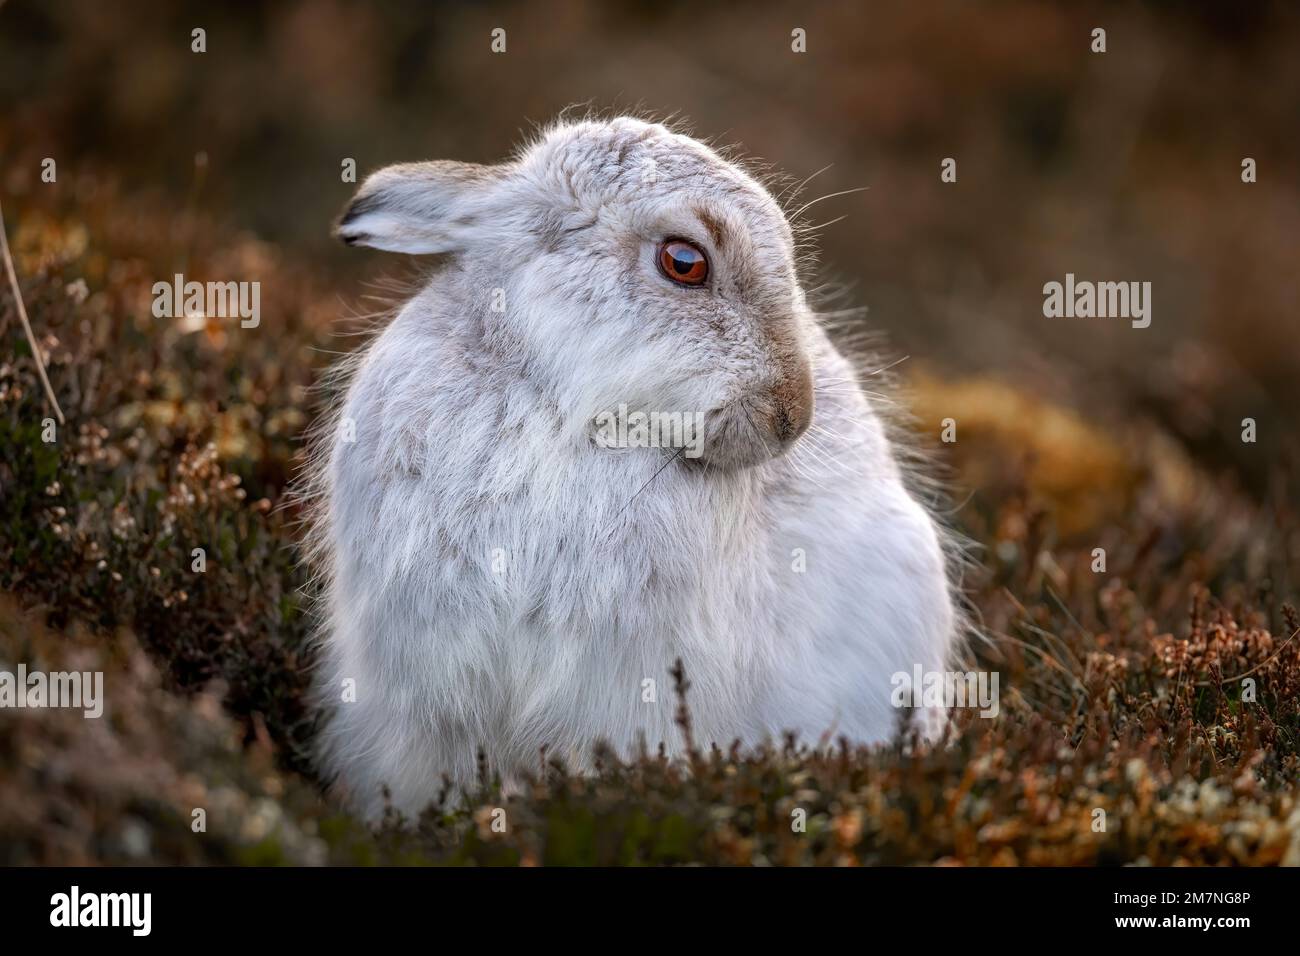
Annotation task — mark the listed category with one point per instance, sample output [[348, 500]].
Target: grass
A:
[[1122, 690]]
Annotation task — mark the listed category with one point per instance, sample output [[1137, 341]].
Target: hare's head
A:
[[621, 264]]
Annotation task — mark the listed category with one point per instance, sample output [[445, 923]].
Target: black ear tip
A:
[[348, 234], [358, 207], [343, 228]]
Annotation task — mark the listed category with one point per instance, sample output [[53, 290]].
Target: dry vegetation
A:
[[1122, 690]]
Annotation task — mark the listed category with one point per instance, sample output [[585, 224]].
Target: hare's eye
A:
[[683, 262]]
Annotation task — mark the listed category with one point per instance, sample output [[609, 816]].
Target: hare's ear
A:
[[419, 208]]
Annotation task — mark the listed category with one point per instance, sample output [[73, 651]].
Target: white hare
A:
[[497, 577]]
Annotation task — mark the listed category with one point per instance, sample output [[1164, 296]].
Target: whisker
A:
[[893, 364], [792, 191], [823, 225], [842, 192]]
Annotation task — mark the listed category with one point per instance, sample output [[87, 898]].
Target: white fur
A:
[[473, 434]]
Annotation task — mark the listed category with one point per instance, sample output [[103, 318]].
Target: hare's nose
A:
[[791, 408], [790, 419]]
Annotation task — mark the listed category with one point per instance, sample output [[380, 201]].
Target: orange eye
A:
[[683, 262]]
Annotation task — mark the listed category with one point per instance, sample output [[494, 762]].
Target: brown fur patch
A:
[[793, 392], [716, 232]]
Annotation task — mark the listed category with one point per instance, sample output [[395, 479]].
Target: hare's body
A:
[[498, 580]]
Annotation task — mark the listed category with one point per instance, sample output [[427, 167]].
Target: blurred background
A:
[[1117, 166]]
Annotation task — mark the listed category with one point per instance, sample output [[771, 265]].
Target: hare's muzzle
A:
[[760, 424], [792, 408]]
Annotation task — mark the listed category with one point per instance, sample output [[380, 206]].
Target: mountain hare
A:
[[507, 569]]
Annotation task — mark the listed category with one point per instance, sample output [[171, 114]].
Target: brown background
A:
[[1122, 166]]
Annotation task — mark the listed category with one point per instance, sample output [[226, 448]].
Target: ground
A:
[[1150, 706]]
